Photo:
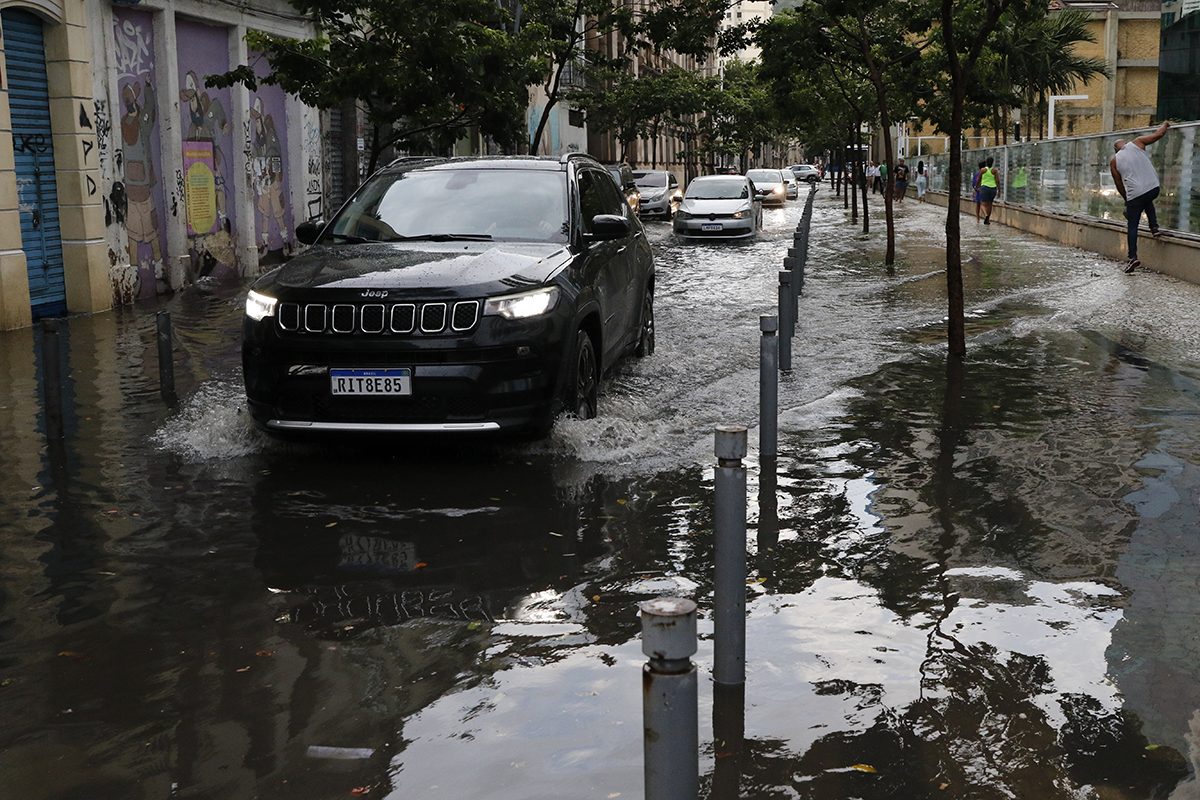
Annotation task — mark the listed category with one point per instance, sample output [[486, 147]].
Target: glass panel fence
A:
[[1071, 175]]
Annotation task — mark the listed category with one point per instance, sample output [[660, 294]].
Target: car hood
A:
[[422, 265], [702, 207]]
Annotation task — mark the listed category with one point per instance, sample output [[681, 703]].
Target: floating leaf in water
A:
[[358, 791], [1153, 746], [420, 565], [864, 768], [473, 625], [243, 669], [265, 653], [621, 501], [595, 598], [331, 525]]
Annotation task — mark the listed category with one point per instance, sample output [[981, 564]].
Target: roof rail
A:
[[568, 156]]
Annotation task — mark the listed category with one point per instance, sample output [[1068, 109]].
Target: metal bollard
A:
[[166, 363], [52, 380], [768, 387], [729, 540], [670, 721], [785, 323]]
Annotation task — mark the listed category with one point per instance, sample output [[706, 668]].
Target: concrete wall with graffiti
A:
[[199, 183]]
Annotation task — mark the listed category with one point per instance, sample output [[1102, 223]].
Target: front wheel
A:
[[645, 345], [583, 390]]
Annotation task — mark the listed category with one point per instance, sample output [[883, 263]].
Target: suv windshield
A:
[[722, 189], [765, 175], [650, 180], [500, 204]]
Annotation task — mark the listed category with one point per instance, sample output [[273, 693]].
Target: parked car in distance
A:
[[623, 175], [805, 172], [719, 207], [660, 192], [769, 185], [791, 185], [454, 295]]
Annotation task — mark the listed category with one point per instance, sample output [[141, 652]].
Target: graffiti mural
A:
[[266, 158], [208, 146], [135, 200]]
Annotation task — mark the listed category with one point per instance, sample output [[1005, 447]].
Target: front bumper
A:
[[503, 376], [728, 228], [661, 206]]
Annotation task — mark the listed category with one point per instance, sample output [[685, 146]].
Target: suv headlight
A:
[[259, 306], [523, 306]]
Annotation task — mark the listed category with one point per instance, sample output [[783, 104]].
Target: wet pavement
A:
[[972, 583]]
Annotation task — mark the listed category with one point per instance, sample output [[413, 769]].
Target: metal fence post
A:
[[768, 387], [52, 380], [166, 363], [786, 326], [729, 539], [670, 721]]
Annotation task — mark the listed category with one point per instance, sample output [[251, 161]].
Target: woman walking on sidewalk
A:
[[988, 184], [1136, 180]]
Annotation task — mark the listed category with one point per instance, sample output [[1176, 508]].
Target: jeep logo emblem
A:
[[375, 293]]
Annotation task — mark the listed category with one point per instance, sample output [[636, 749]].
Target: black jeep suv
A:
[[482, 294]]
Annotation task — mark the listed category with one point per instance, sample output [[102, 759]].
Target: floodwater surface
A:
[[974, 581]]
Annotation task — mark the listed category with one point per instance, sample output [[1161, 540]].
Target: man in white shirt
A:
[[1136, 180]]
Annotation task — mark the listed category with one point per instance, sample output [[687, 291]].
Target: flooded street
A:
[[978, 582]]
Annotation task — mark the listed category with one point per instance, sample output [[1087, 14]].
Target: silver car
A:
[[719, 207], [660, 190], [769, 186], [793, 185]]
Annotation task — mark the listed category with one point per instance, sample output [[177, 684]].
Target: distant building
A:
[[741, 12], [1127, 41], [1179, 61]]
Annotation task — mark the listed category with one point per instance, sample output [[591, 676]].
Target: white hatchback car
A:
[[719, 207]]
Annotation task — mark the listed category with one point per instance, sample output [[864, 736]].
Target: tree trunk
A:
[[852, 195], [862, 172], [552, 90], [955, 323]]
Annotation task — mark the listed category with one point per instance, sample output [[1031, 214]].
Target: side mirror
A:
[[606, 227], [307, 232]]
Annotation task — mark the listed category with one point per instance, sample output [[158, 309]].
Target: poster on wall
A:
[[134, 198], [205, 117], [199, 187]]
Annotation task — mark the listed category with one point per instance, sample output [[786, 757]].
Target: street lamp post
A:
[[1056, 97]]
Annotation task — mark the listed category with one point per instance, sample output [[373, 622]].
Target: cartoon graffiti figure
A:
[[266, 176], [206, 120], [141, 215]]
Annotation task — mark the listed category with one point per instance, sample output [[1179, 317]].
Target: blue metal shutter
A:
[[33, 150]]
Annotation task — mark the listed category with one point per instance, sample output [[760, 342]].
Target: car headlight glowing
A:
[[259, 306], [523, 306]]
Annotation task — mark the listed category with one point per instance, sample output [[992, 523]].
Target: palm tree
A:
[[1041, 59]]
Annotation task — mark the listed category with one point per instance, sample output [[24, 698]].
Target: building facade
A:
[[1179, 67], [127, 176], [1126, 34]]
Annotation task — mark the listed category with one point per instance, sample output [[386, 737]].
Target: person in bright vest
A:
[[988, 183], [1136, 180]]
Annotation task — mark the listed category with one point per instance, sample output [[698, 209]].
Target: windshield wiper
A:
[[349, 237], [442, 237]]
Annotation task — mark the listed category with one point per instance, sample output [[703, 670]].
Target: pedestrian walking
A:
[[873, 174], [883, 177], [1133, 172], [922, 181], [901, 178], [975, 188], [988, 185]]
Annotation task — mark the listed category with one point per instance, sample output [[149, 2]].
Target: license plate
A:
[[711, 226], [370, 381], [370, 553]]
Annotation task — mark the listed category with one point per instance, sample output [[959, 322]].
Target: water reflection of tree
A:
[[946, 501]]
